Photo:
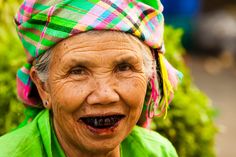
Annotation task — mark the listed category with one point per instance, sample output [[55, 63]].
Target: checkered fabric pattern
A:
[[41, 24]]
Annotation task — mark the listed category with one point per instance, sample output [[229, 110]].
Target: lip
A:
[[102, 115], [102, 131]]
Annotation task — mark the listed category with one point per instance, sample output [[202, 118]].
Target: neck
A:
[[72, 150]]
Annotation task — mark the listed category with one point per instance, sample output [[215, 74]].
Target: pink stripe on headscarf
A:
[[51, 10]]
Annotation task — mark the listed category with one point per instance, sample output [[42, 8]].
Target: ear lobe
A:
[[41, 87]]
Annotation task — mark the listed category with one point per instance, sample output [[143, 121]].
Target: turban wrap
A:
[[41, 24]]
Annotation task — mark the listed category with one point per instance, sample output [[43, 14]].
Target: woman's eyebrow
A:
[[126, 58], [73, 61]]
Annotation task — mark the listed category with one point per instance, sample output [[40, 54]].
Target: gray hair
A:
[[42, 63]]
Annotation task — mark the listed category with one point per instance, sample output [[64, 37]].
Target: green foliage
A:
[[11, 58], [189, 124], [190, 121]]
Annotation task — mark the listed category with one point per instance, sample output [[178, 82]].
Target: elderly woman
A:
[[95, 72]]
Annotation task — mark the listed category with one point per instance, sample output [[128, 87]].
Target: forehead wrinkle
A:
[[84, 59], [126, 42], [98, 37], [102, 46], [105, 50], [102, 50]]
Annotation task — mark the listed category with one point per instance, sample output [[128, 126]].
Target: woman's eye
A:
[[78, 71], [124, 67]]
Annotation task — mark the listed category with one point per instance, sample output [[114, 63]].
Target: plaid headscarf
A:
[[41, 24]]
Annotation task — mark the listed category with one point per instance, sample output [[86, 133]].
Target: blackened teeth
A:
[[102, 121]]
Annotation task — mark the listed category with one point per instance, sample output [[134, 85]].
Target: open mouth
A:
[[102, 122]]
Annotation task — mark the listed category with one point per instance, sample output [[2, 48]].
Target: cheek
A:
[[133, 91], [69, 95]]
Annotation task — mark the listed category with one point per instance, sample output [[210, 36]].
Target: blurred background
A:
[[210, 42], [200, 39]]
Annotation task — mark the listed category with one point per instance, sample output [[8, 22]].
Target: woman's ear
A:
[[42, 88]]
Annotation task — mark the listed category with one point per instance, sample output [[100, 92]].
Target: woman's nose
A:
[[103, 94]]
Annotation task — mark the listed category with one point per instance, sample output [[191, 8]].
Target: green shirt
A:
[[38, 139]]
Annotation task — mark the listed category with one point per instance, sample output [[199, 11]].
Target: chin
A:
[[102, 139]]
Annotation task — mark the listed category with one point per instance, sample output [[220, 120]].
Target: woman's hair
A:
[[42, 63]]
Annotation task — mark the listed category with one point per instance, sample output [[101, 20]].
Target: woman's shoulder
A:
[[149, 143], [149, 136], [24, 140]]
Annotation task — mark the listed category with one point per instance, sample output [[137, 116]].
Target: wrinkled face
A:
[[97, 85]]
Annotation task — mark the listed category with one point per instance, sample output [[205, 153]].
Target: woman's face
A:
[[96, 87]]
